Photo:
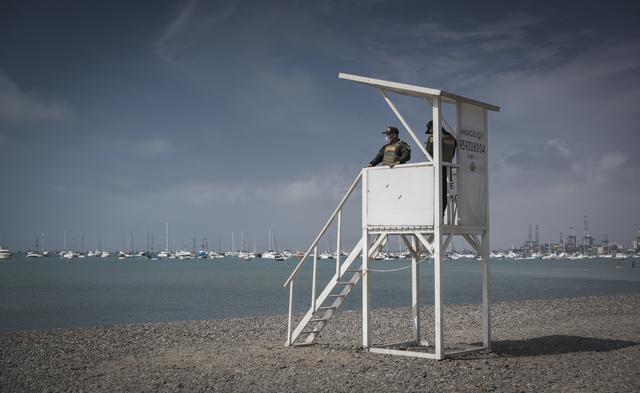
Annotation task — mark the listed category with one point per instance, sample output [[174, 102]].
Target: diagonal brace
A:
[[414, 252], [405, 124], [427, 244]]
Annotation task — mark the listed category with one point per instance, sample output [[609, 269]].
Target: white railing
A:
[[337, 212], [336, 215]]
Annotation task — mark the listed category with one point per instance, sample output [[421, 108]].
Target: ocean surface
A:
[[53, 293]]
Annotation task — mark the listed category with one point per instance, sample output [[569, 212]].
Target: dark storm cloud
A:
[[228, 116]]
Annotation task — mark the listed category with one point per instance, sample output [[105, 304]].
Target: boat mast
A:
[[167, 237], [273, 233]]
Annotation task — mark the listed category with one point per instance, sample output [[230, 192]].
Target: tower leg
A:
[[365, 291], [437, 228], [486, 309], [415, 294], [437, 281], [365, 263]]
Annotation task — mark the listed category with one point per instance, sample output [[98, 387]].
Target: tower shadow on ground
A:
[[557, 344]]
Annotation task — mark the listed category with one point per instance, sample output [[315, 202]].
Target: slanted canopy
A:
[[416, 91]]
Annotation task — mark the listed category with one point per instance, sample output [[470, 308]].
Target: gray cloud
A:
[[18, 106], [304, 190], [146, 147], [166, 44], [564, 145], [194, 18]]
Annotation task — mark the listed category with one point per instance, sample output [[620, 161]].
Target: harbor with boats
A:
[[568, 248], [273, 255], [514, 254], [532, 250]]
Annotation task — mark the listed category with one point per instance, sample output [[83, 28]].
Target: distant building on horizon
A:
[[570, 245]]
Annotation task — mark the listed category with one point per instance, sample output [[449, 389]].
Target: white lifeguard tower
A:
[[406, 200]]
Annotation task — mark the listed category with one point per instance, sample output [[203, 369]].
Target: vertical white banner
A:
[[472, 176]]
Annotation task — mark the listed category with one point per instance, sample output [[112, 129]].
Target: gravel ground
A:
[[566, 345]]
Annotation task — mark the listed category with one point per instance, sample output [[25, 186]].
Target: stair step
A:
[[344, 283], [354, 271], [318, 320], [310, 332], [337, 295], [302, 344], [327, 308]]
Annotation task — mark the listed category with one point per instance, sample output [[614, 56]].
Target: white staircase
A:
[[333, 295], [324, 306]]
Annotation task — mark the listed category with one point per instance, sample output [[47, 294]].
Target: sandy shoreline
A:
[[565, 345]]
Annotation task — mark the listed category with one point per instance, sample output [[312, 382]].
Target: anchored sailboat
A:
[[272, 252]]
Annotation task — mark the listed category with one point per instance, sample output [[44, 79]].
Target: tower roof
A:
[[416, 91]]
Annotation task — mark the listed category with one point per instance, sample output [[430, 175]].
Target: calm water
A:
[[52, 293]]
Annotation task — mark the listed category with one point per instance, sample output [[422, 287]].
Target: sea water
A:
[[54, 293]]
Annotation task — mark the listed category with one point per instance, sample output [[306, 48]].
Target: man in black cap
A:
[[449, 145], [394, 151]]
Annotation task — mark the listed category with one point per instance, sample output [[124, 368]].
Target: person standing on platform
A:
[[449, 145], [394, 151]]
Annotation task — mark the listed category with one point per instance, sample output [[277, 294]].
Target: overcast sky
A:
[[221, 116]]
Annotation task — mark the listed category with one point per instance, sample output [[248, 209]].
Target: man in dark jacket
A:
[[394, 151], [449, 145]]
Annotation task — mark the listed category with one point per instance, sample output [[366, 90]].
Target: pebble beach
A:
[[587, 344]]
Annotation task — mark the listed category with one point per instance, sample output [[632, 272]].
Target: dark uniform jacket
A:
[[398, 151], [449, 145]]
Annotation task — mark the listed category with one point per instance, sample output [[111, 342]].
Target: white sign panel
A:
[[472, 177], [400, 196]]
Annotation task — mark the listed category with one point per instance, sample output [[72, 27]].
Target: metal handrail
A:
[[324, 229]]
